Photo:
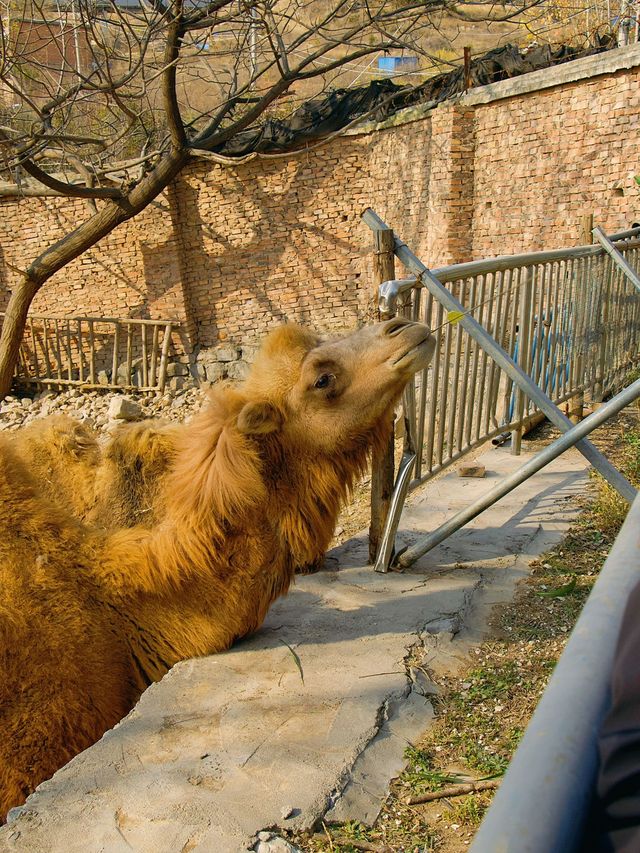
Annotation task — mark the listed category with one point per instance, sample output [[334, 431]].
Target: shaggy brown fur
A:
[[88, 618], [63, 455], [111, 487]]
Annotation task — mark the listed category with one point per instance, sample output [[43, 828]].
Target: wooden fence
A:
[[95, 352]]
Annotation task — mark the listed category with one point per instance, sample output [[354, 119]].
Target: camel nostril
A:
[[395, 326]]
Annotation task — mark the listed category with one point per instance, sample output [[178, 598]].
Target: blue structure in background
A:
[[397, 64]]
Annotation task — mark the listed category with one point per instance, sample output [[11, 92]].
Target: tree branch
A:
[[69, 189], [169, 94]]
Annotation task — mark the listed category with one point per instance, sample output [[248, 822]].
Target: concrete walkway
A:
[[236, 743]]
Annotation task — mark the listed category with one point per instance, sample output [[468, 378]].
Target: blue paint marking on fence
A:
[[543, 344]]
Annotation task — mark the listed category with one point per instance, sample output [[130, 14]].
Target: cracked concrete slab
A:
[[226, 746]]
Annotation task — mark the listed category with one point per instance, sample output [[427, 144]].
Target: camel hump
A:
[[57, 436], [130, 474], [147, 443]]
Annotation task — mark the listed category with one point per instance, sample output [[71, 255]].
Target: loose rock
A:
[[124, 409]]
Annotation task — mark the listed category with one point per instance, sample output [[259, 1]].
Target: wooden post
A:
[[36, 365], [382, 464], [586, 227], [145, 357], [92, 354], [129, 353], [164, 357], [114, 361], [154, 356], [69, 352], [467, 68]]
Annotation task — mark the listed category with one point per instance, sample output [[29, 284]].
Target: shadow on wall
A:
[[258, 249], [124, 275]]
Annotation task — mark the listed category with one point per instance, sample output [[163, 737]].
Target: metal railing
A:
[[569, 319], [95, 352]]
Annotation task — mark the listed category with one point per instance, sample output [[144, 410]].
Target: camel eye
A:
[[324, 380]]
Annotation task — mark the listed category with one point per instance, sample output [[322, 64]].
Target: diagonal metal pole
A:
[[503, 360], [532, 466], [618, 257]]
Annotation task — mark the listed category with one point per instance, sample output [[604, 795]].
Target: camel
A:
[[111, 486], [90, 617]]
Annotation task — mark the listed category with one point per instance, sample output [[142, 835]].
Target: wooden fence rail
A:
[[95, 352]]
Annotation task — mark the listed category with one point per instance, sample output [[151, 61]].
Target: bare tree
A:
[[108, 101]]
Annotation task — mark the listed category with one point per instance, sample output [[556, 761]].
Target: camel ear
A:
[[259, 418]]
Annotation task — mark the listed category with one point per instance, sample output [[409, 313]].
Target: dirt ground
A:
[[482, 712]]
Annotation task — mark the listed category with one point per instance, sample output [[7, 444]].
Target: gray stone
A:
[[238, 370], [103, 377], [176, 383], [422, 684], [270, 843], [214, 371], [174, 368], [227, 352], [198, 371], [124, 409], [249, 352], [207, 355], [136, 373]]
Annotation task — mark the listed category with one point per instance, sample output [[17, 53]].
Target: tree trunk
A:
[[70, 247]]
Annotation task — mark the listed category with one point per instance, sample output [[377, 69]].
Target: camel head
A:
[[327, 396]]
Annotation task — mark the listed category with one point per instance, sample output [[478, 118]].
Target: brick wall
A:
[[544, 160], [281, 239], [231, 251]]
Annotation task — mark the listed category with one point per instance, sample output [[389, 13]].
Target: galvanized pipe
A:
[[546, 794], [388, 538], [617, 257], [625, 235], [390, 291], [608, 471], [546, 455]]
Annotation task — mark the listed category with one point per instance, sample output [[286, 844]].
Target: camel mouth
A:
[[417, 356]]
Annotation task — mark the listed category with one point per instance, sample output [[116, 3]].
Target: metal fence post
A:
[[576, 406], [524, 354], [618, 259], [620, 262], [382, 463], [598, 390]]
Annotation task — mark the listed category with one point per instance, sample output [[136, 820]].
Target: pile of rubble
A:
[[101, 409]]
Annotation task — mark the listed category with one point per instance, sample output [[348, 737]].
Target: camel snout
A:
[[395, 326]]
